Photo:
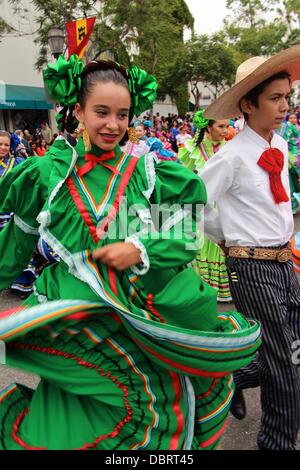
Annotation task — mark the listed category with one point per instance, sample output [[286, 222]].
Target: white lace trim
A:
[[61, 182], [73, 261], [134, 239], [42, 299], [190, 427], [25, 227], [44, 218], [150, 158]]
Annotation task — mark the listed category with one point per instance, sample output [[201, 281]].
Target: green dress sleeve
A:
[[175, 206], [23, 192]]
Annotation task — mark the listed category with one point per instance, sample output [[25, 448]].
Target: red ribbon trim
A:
[[118, 199], [81, 362], [177, 411], [149, 304], [112, 280], [181, 367], [82, 209]]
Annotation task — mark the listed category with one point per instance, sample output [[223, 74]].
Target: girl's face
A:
[[43, 143], [140, 132], [218, 130], [293, 119], [4, 145], [105, 114]]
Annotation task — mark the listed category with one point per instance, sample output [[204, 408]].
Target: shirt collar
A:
[[258, 139]]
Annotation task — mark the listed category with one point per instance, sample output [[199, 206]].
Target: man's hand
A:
[[224, 248], [119, 256]]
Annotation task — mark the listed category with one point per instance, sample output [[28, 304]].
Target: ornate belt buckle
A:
[[284, 255]]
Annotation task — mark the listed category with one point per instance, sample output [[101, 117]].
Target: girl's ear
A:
[[78, 112]]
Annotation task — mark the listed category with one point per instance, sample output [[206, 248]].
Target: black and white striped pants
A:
[[269, 292]]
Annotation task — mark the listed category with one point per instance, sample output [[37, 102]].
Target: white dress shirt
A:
[[246, 213]]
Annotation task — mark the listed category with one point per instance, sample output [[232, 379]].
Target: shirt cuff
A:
[[143, 267]]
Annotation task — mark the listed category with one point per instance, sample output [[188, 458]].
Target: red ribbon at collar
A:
[[272, 161], [92, 161]]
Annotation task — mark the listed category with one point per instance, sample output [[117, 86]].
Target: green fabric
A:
[[129, 371], [63, 79], [142, 87], [199, 121], [290, 133]]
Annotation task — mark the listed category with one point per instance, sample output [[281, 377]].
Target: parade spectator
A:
[[174, 131], [24, 141], [46, 132], [33, 149], [41, 148], [157, 122], [183, 136]]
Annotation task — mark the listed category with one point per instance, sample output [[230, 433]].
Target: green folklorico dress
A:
[[290, 134], [138, 359], [210, 262]]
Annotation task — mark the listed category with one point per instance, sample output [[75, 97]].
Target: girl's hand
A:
[[119, 256]]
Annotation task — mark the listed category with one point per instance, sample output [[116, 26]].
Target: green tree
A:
[[208, 61], [4, 28], [262, 27], [154, 27], [247, 12]]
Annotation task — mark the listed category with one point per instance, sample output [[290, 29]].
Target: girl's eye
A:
[[101, 113], [123, 116]]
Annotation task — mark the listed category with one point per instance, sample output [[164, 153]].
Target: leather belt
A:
[[282, 255]]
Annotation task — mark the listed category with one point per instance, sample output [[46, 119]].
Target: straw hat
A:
[[250, 74]]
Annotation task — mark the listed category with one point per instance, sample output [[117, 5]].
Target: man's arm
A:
[[217, 176]]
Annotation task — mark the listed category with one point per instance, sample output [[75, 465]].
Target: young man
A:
[[248, 178]]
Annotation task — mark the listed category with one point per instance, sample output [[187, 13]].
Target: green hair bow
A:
[[63, 79], [199, 121], [142, 88]]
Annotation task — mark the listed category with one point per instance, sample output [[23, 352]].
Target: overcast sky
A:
[[208, 14]]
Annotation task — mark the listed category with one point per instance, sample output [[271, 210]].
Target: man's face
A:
[[272, 106]]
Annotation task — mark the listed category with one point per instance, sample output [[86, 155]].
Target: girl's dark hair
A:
[[253, 95], [202, 132], [99, 71]]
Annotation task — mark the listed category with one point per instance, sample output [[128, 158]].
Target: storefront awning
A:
[[23, 97]]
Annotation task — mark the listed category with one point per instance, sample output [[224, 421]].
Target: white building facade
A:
[[23, 102]]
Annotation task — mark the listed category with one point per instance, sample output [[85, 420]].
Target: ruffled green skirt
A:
[[210, 265]]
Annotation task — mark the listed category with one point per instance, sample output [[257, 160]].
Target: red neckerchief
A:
[[92, 161], [272, 161]]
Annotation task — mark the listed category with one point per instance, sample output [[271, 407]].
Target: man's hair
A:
[[253, 95]]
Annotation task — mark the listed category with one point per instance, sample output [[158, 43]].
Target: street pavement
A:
[[239, 435]]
